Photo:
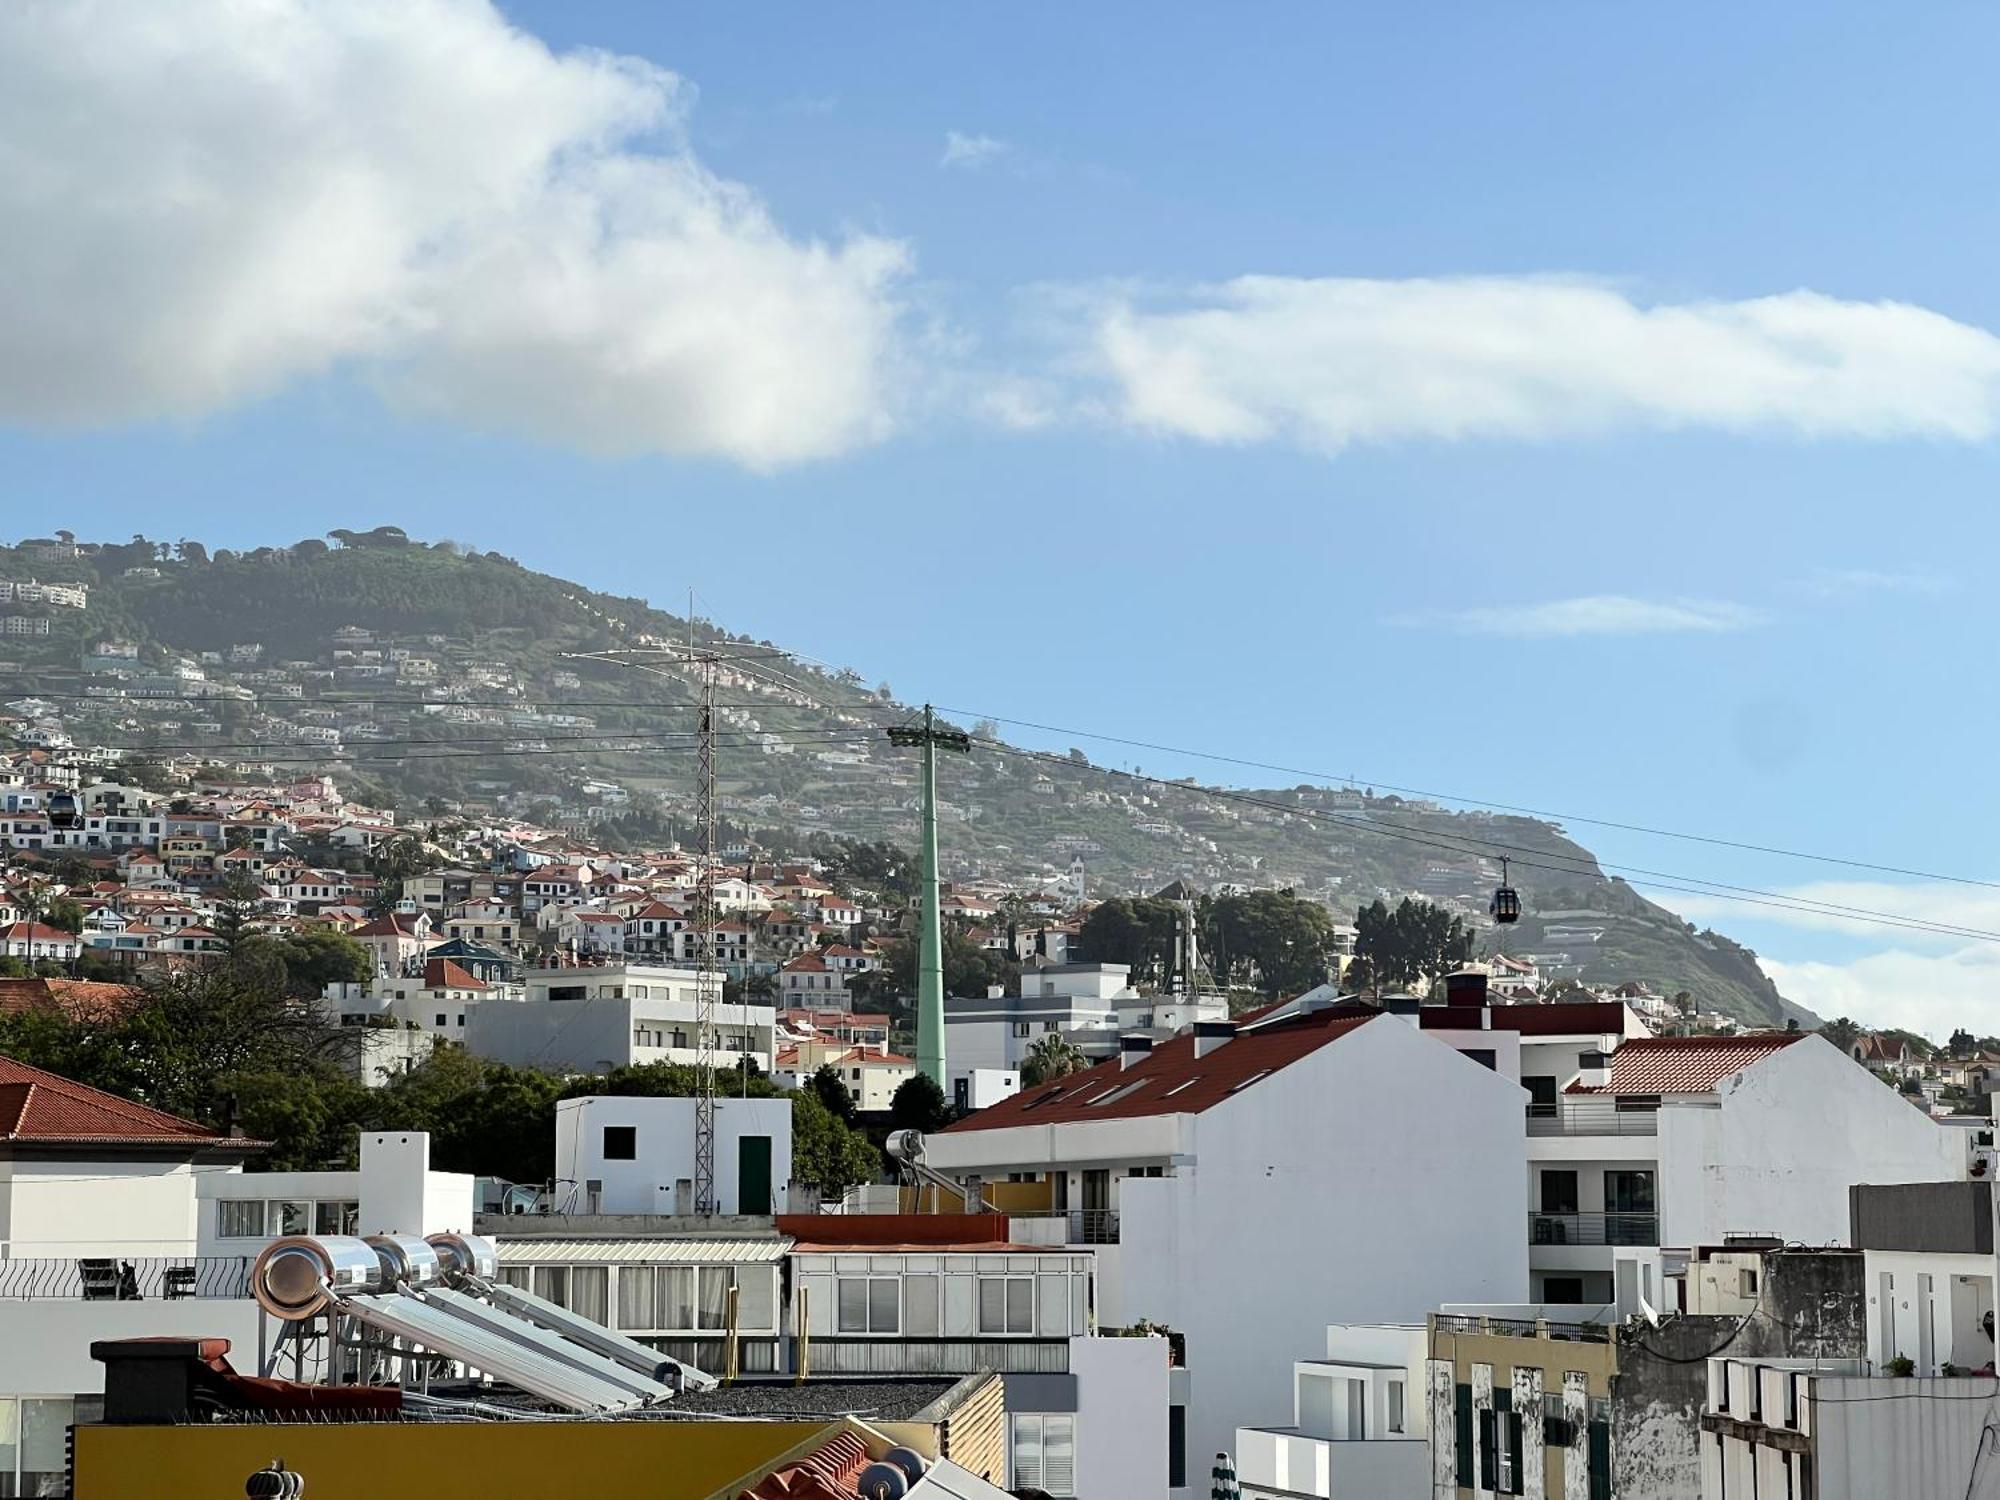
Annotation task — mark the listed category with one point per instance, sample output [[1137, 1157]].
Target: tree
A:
[[1962, 1044], [919, 1104], [1137, 931], [1417, 942], [1286, 943], [827, 1086], [238, 904], [1053, 1056], [826, 1152], [1842, 1032], [66, 913], [968, 970]]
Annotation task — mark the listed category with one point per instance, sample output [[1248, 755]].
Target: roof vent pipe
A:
[[1134, 1049], [1208, 1035]]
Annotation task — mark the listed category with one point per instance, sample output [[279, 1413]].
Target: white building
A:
[[632, 1154], [1247, 1186], [1359, 1423], [998, 1031], [1928, 1252], [591, 1020], [1679, 1142]]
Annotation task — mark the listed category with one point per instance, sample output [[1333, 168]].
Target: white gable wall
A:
[[1795, 1131], [1369, 1182]]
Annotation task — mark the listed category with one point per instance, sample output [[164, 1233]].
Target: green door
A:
[[753, 1174]]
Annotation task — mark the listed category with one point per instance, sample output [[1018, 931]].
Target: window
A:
[[1006, 1304], [336, 1217], [237, 1219], [712, 1298], [1176, 1447], [636, 1288], [589, 1287], [1048, 1025], [1746, 1282], [440, 1018], [1559, 1191], [1395, 1406], [1481, 1055], [33, 1445], [552, 1282], [292, 1218], [621, 1143], [1042, 1452], [920, 1306], [1463, 1430], [1541, 1096], [867, 1304]]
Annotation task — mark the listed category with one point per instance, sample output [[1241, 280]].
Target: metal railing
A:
[[105, 1279], [1525, 1328], [1093, 1226], [1591, 1117], [1594, 1229]]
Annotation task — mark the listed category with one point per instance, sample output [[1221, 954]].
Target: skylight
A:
[[1185, 1083], [1119, 1093], [1260, 1073]]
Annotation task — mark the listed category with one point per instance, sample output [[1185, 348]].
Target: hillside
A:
[[437, 678]]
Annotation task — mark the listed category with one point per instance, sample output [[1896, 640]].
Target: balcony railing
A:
[[94, 1279], [1594, 1229], [1093, 1226], [1591, 1117]]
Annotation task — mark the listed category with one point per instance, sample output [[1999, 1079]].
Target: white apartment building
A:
[[1247, 1185], [1675, 1142], [594, 1019], [998, 1031], [1928, 1253], [1359, 1430]]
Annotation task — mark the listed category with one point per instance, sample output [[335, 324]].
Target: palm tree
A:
[[1053, 1056]]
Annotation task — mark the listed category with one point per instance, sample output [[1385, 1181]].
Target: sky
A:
[[1585, 408]]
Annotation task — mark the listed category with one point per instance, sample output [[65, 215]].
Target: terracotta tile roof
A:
[[40, 1107], [443, 974], [827, 1473], [79, 999], [1689, 1064], [1171, 1080], [35, 932]]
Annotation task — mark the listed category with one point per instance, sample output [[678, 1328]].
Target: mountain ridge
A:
[[381, 658]]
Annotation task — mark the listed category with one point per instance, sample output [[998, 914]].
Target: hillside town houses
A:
[[1478, 1242]]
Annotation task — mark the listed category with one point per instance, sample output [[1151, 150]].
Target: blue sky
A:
[[1612, 430]]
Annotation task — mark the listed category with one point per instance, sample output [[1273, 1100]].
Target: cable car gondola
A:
[[1506, 904], [62, 811]]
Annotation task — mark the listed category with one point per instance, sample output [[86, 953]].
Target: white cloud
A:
[[1849, 583], [1941, 903], [962, 150], [1326, 362], [1595, 614], [1928, 993], [206, 202]]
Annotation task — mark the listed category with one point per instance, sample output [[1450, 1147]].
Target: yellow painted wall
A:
[[440, 1461]]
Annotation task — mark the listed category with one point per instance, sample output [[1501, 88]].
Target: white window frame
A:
[[1028, 1436], [868, 1328], [1007, 1328]]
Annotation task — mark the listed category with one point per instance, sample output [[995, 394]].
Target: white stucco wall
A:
[[665, 1144], [45, 1346], [1121, 1418], [401, 1195], [65, 1208], [1794, 1132], [1366, 1183]]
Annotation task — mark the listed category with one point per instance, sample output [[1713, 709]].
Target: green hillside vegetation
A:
[[1010, 814]]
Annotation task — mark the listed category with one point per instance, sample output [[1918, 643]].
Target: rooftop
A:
[[1170, 1079], [40, 1108], [1687, 1064]]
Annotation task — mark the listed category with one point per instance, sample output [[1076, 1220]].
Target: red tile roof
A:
[[35, 932], [1689, 1064], [79, 999], [45, 1108], [1171, 1080], [443, 974]]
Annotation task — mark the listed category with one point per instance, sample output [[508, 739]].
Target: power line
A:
[[1742, 895], [1477, 802]]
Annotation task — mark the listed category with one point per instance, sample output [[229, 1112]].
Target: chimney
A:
[[1208, 1035], [1136, 1049], [1467, 987], [1593, 1069]]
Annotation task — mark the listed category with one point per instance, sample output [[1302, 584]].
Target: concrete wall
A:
[[1794, 1132], [1871, 1446], [1121, 1417], [45, 1346], [401, 1195], [596, 1035], [647, 1184], [67, 1208], [1811, 1307], [1928, 1309], [1366, 1183]]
